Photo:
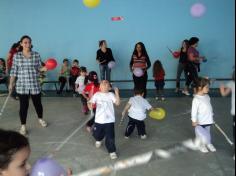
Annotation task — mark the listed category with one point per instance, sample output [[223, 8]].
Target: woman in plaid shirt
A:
[[26, 67]]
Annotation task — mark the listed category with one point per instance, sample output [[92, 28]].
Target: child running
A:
[[80, 84], [105, 117], [88, 92], [202, 116], [137, 107]]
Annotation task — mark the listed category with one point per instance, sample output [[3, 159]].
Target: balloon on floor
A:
[[91, 3], [158, 114]]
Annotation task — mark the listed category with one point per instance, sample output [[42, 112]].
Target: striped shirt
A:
[[27, 72]]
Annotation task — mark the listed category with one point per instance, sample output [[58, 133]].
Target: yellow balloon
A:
[[91, 3], [158, 114]]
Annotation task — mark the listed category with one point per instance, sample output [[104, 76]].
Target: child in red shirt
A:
[[159, 76], [90, 89], [74, 73]]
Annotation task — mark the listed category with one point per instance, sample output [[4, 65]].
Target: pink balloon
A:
[[138, 72], [111, 64], [47, 167], [198, 10]]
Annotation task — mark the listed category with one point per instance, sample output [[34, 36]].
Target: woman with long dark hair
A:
[[104, 56], [26, 67], [140, 59], [183, 59]]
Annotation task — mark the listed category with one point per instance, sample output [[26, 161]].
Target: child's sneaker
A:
[[211, 148], [126, 137], [163, 99], [98, 144], [203, 149], [23, 130], [113, 156], [185, 92], [157, 98], [43, 123], [143, 137]]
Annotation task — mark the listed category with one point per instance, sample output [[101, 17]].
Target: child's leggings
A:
[[203, 132]]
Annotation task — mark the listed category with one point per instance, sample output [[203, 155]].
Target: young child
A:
[[137, 107], [88, 92], [105, 117], [3, 74], [226, 90], [202, 116], [74, 73], [159, 76], [80, 84], [64, 75], [14, 154]]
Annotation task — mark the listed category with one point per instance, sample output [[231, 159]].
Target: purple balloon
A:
[[138, 72], [198, 10], [111, 64], [47, 167]]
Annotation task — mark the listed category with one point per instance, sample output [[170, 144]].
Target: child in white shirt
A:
[[105, 117], [202, 116], [80, 84], [136, 108]]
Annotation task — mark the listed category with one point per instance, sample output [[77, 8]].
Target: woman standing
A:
[[26, 67], [193, 59], [104, 56], [140, 59], [183, 59]]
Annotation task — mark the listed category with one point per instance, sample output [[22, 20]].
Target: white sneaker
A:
[[113, 156], [98, 144], [143, 137], [43, 123], [23, 130], [163, 99], [126, 137], [185, 92], [157, 98], [211, 148], [203, 149]]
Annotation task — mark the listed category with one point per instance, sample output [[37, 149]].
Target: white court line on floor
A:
[[64, 142], [142, 159]]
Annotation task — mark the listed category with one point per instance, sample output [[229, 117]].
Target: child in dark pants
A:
[[105, 117], [88, 92], [136, 108], [159, 76], [80, 84]]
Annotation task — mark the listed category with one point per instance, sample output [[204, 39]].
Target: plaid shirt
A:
[[27, 72]]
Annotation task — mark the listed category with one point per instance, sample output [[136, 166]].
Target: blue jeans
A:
[[105, 72]]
